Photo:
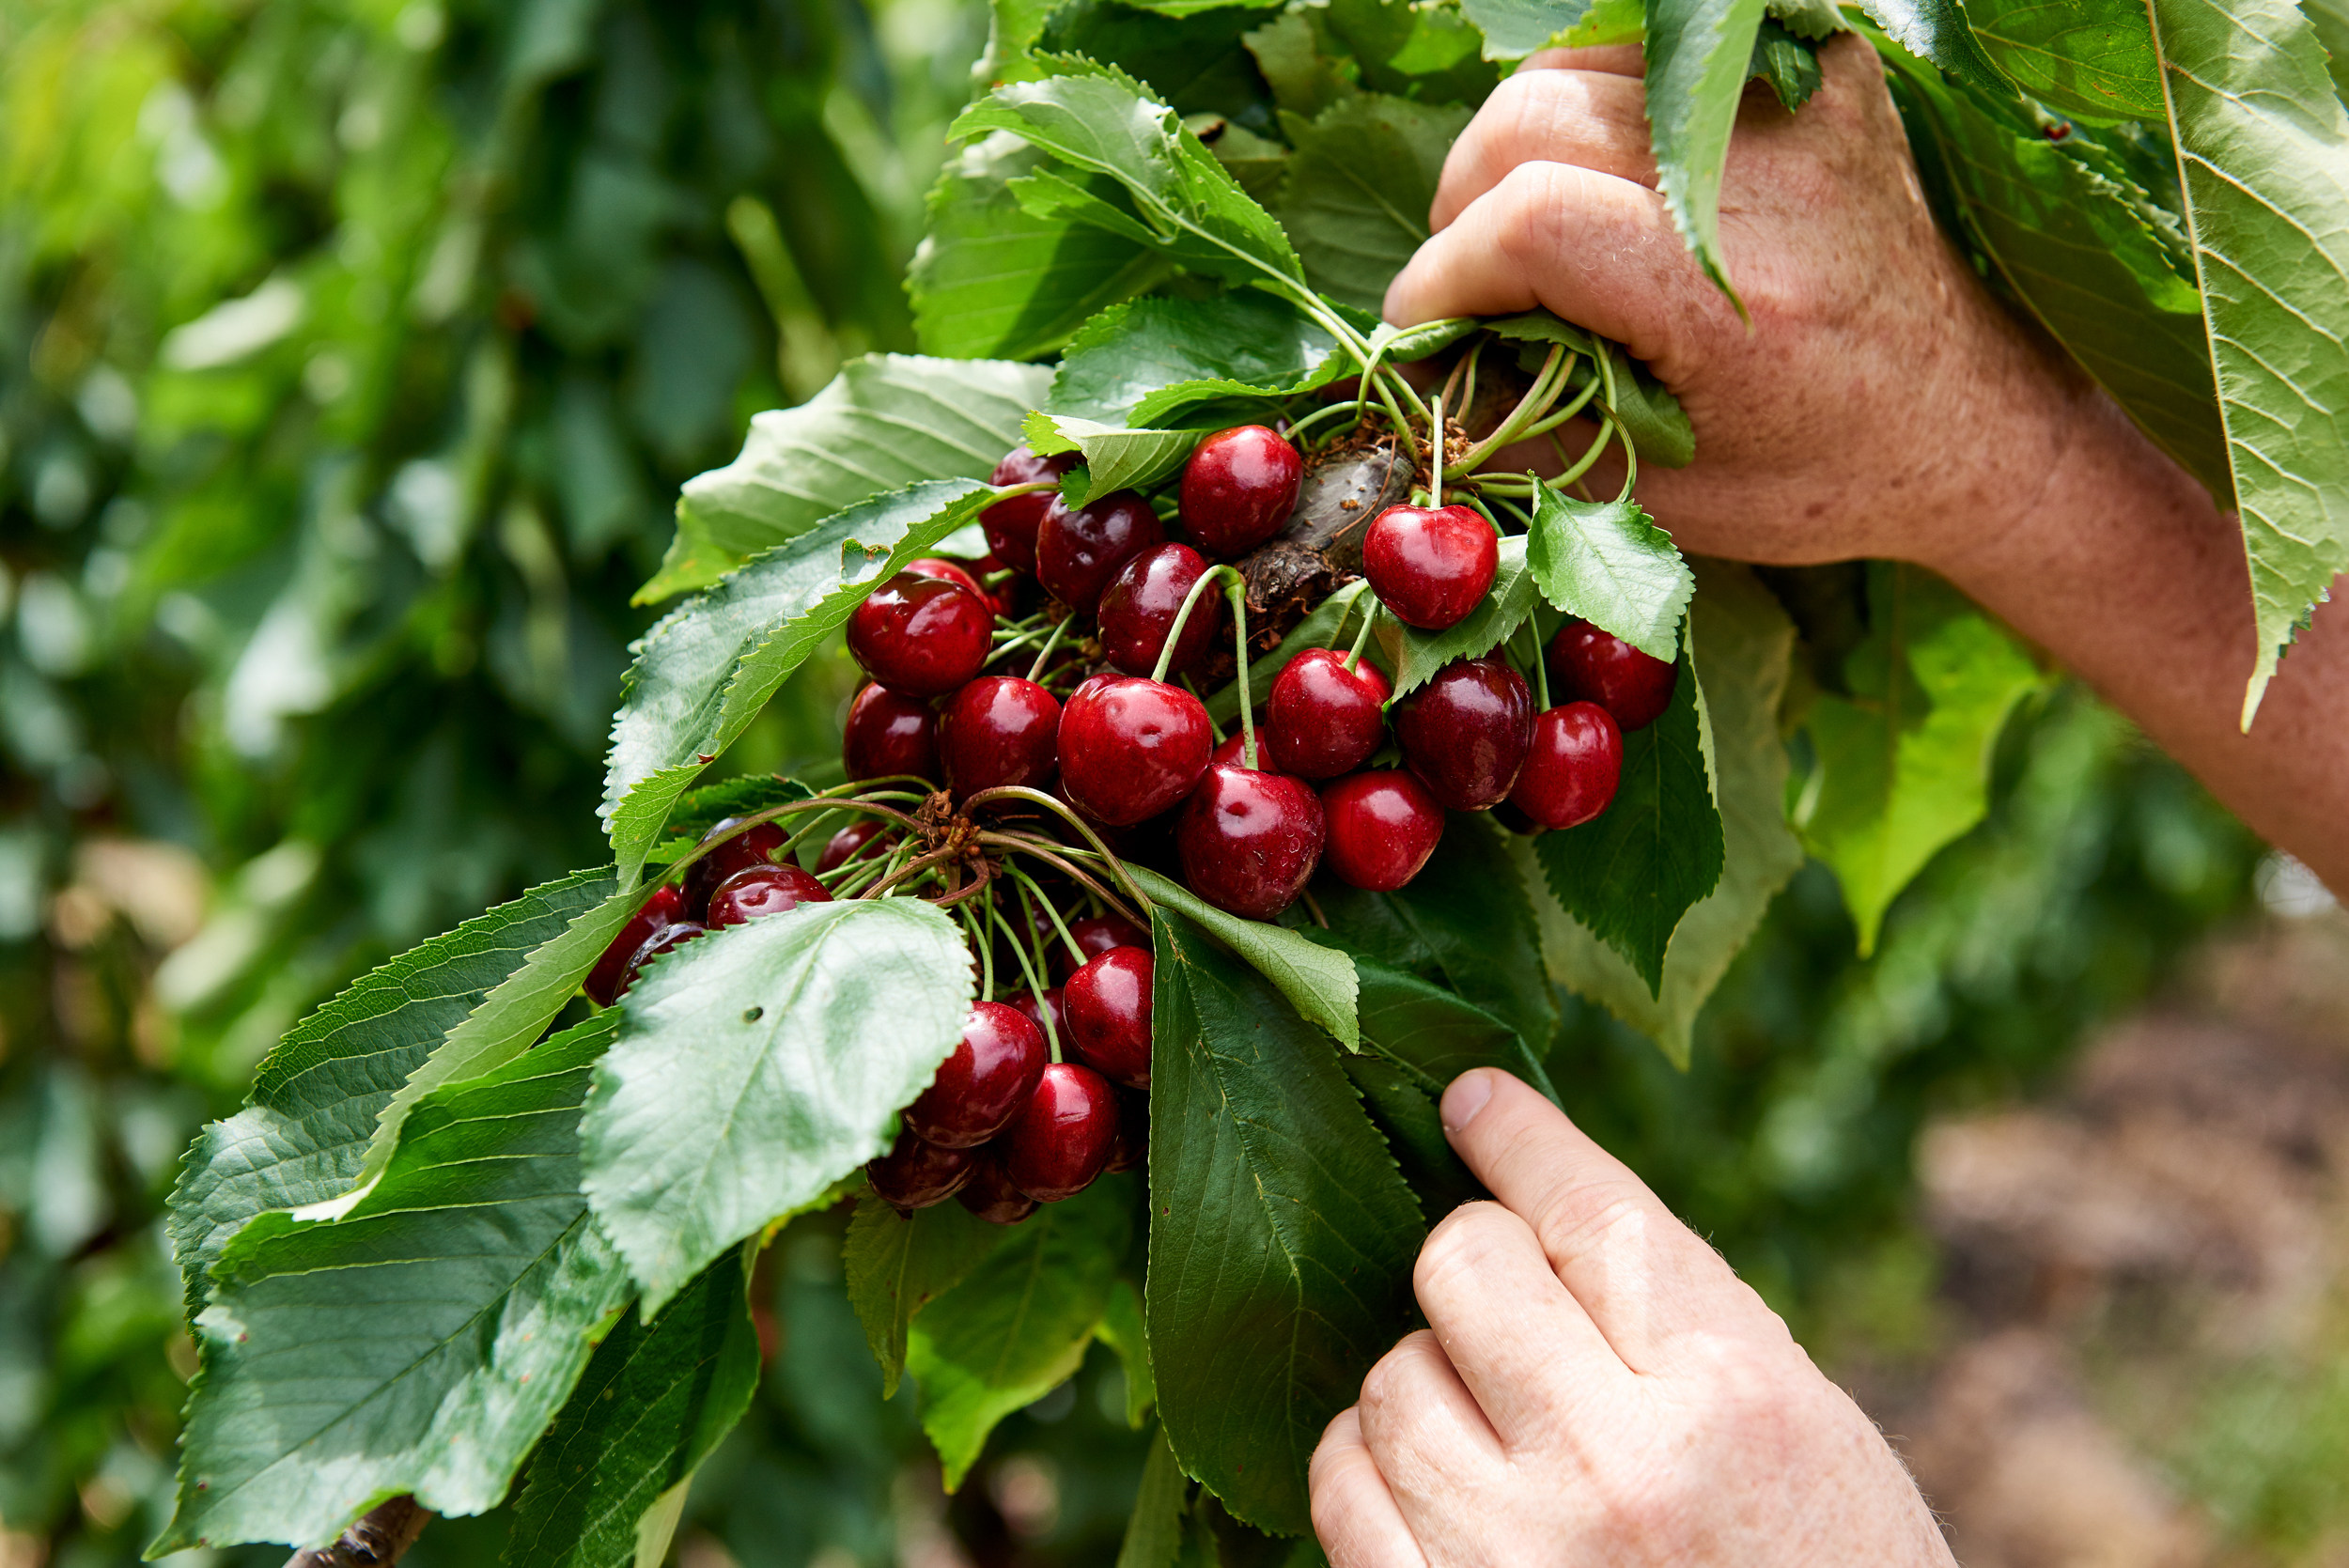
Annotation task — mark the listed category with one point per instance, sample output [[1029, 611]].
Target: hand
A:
[[1599, 1388]]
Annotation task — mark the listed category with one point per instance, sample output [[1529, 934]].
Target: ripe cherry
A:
[[1061, 1138], [655, 945], [1322, 719], [1592, 665], [1382, 828], [763, 890], [1139, 606], [664, 909], [1027, 1007], [1130, 748], [1570, 774], [1249, 840], [1133, 1144], [919, 636], [998, 730], [1232, 750], [854, 842], [753, 846], [1239, 488], [1106, 1004], [948, 572], [984, 1082], [1079, 548], [914, 1174], [1010, 525], [1096, 935], [1430, 569], [990, 1195], [1466, 731], [887, 735]]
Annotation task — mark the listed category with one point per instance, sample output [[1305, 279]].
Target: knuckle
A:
[[1582, 1219], [1526, 230], [1457, 1249]]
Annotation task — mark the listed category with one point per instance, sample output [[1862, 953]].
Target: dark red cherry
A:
[[663, 909], [1230, 750], [655, 945], [1060, 1139], [919, 636], [1130, 748], [1515, 820], [948, 572], [1249, 840], [887, 735], [753, 846], [1382, 828], [854, 842], [1239, 488], [1026, 1006], [914, 1174], [1322, 719], [1106, 1004], [763, 890], [1079, 548], [1466, 731], [984, 1082], [998, 730], [1574, 766], [1591, 665], [1430, 569], [1139, 607], [1133, 1131], [1010, 525], [1096, 935], [990, 1195]]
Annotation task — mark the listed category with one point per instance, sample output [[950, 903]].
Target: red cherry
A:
[[948, 572], [1592, 665], [1323, 719], [1133, 1131], [1060, 1139], [918, 636], [1466, 731], [1382, 828], [1249, 840], [1130, 748], [990, 1195], [655, 945], [1515, 820], [854, 842], [1026, 1006], [663, 909], [984, 1082], [998, 730], [914, 1174], [1430, 569], [753, 846], [1078, 549], [1239, 488], [1228, 751], [1139, 607], [1010, 525], [763, 890], [1108, 1006], [1574, 766], [1096, 935], [887, 735]]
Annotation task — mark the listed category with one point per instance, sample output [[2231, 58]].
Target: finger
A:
[[1618, 59], [1645, 1278], [1422, 1425], [1525, 1348], [1589, 119], [1354, 1514]]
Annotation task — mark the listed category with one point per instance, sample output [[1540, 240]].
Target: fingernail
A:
[[1465, 1098]]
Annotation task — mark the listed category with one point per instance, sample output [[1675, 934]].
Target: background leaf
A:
[[1318, 983], [1697, 53], [1359, 185], [897, 1263], [1192, 58], [2096, 60], [1153, 1535], [1607, 563]]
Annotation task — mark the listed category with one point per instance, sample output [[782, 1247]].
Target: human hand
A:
[[1598, 1389]]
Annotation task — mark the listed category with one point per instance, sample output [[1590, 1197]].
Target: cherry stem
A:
[[974, 926], [1579, 466], [1535, 403], [1050, 643], [1297, 430], [912, 867], [1361, 638], [1027, 967], [1631, 456], [1056, 856], [825, 801], [1028, 884], [1435, 470], [1476, 352], [1313, 907], [1238, 596], [1175, 632], [1037, 797], [1562, 413], [1541, 665]]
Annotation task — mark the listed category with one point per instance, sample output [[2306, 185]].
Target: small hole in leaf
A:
[[751, 1014]]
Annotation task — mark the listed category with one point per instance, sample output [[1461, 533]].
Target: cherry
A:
[[1097, 935], [1239, 488], [853, 842], [990, 1195], [1515, 820], [1322, 719], [1061, 1138], [948, 572], [753, 846], [1139, 607], [1231, 748], [998, 730], [1466, 731], [921, 636], [1593, 665], [1382, 828], [763, 890], [1430, 569], [1570, 774], [1133, 1144], [610, 977], [1010, 525], [655, 945], [1130, 748], [1249, 840], [1079, 548], [1106, 1004], [984, 1082], [887, 735], [1027, 1007], [914, 1174]]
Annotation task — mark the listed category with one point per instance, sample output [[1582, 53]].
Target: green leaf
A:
[[2092, 60], [1740, 642], [1140, 362], [419, 1344], [1154, 1531], [1427, 54], [1258, 162], [1697, 52], [1789, 64], [1937, 31], [303, 1133], [1115, 457], [1632, 874], [1359, 183], [896, 1263], [699, 810], [1606, 561], [1433, 1035], [1281, 1236], [885, 421], [1489, 625], [1904, 760], [1319, 982], [1333, 624], [1394, 344], [1813, 21], [1657, 424], [2330, 18], [1018, 1325], [759, 1064], [1410, 1119], [1515, 28], [1304, 77], [648, 1409], [1190, 57], [1122, 1330], [704, 671]]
